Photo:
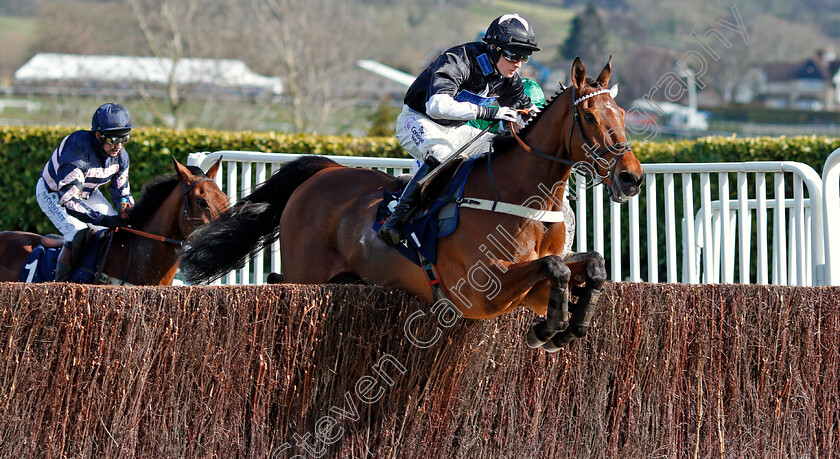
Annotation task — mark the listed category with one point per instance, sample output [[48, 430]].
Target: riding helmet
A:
[[111, 117], [512, 32]]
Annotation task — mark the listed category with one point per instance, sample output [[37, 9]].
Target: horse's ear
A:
[[182, 171], [578, 73], [604, 77], [214, 169]]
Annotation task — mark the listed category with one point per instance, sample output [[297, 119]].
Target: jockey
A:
[[458, 87], [67, 190]]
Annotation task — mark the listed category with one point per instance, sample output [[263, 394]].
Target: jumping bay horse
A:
[[493, 262], [170, 209]]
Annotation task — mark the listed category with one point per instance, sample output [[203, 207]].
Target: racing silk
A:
[[78, 167], [461, 79]]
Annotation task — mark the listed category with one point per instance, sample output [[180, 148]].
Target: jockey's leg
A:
[[64, 222], [64, 265], [391, 231]]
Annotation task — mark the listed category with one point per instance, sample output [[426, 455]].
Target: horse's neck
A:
[[153, 262], [530, 175], [166, 221]]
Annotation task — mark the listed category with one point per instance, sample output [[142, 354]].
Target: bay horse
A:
[[169, 210], [493, 262]]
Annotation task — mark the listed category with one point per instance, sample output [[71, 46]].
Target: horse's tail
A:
[[248, 226]]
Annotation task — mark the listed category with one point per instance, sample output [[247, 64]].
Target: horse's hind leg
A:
[[591, 272]]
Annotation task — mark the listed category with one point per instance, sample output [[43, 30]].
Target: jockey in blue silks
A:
[[68, 189], [467, 82]]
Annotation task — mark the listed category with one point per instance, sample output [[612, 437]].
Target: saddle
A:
[[88, 252], [52, 241], [438, 213], [437, 184]]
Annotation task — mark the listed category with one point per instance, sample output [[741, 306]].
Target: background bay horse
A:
[[170, 207], [323, 214]]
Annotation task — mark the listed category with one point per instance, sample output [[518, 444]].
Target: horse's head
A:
[[203, 200], [597, 139]]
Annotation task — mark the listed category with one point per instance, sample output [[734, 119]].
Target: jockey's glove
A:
[[112, 221], [496, 113]]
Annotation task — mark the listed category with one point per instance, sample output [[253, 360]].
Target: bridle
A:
[[186, 215], [618, 149]]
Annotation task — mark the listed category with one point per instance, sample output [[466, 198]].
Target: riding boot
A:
[[64, 264], [391, 231]]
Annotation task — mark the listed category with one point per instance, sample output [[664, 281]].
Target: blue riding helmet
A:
[[111, 117]]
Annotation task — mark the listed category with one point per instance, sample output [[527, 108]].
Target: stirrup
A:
[[390, 236]]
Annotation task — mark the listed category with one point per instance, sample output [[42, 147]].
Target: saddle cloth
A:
[[438, 219], [40, 264]]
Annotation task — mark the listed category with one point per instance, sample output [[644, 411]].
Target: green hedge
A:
[[25, 150]]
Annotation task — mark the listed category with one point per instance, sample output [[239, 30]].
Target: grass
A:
[[16, 37], [27, 27]]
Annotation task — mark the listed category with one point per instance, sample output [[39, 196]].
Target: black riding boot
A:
[[391, 231], [64, 264]]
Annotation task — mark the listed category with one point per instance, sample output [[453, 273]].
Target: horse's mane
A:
[[154, 193], [505, 140]]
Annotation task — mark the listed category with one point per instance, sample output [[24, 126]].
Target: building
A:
[[809, 84], [130, 71]]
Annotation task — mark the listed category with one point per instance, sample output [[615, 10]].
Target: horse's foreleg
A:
[[590, 270], [557, 315]]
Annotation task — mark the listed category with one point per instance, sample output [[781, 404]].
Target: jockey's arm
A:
[[444, 106], [70, 196]]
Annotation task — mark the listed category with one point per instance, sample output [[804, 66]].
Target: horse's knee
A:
[[596, 271], [556, 270]]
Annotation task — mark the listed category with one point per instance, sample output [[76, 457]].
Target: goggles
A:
[[514, 57], [113, 140]]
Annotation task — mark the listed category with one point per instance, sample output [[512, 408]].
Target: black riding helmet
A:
[[513, 33]]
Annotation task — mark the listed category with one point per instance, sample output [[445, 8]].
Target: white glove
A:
[[506, 114], [521, 119]]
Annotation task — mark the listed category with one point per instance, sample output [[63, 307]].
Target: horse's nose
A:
[[630, 183]]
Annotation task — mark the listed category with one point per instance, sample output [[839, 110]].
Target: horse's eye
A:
[[202, 204], [589, 117]]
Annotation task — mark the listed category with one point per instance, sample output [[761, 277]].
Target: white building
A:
[[46, 68]]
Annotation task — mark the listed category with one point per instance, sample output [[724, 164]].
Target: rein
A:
[[151, 236]]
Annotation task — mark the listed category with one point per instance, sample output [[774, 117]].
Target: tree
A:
[[310, 44], [587, 38], [178, 29]]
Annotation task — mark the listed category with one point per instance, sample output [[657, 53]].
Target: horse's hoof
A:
[[538, 334], [274, 278], [550, 347], [558, 342]]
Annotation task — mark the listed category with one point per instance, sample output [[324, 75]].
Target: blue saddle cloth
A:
[[439, 219], [40, 264]]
